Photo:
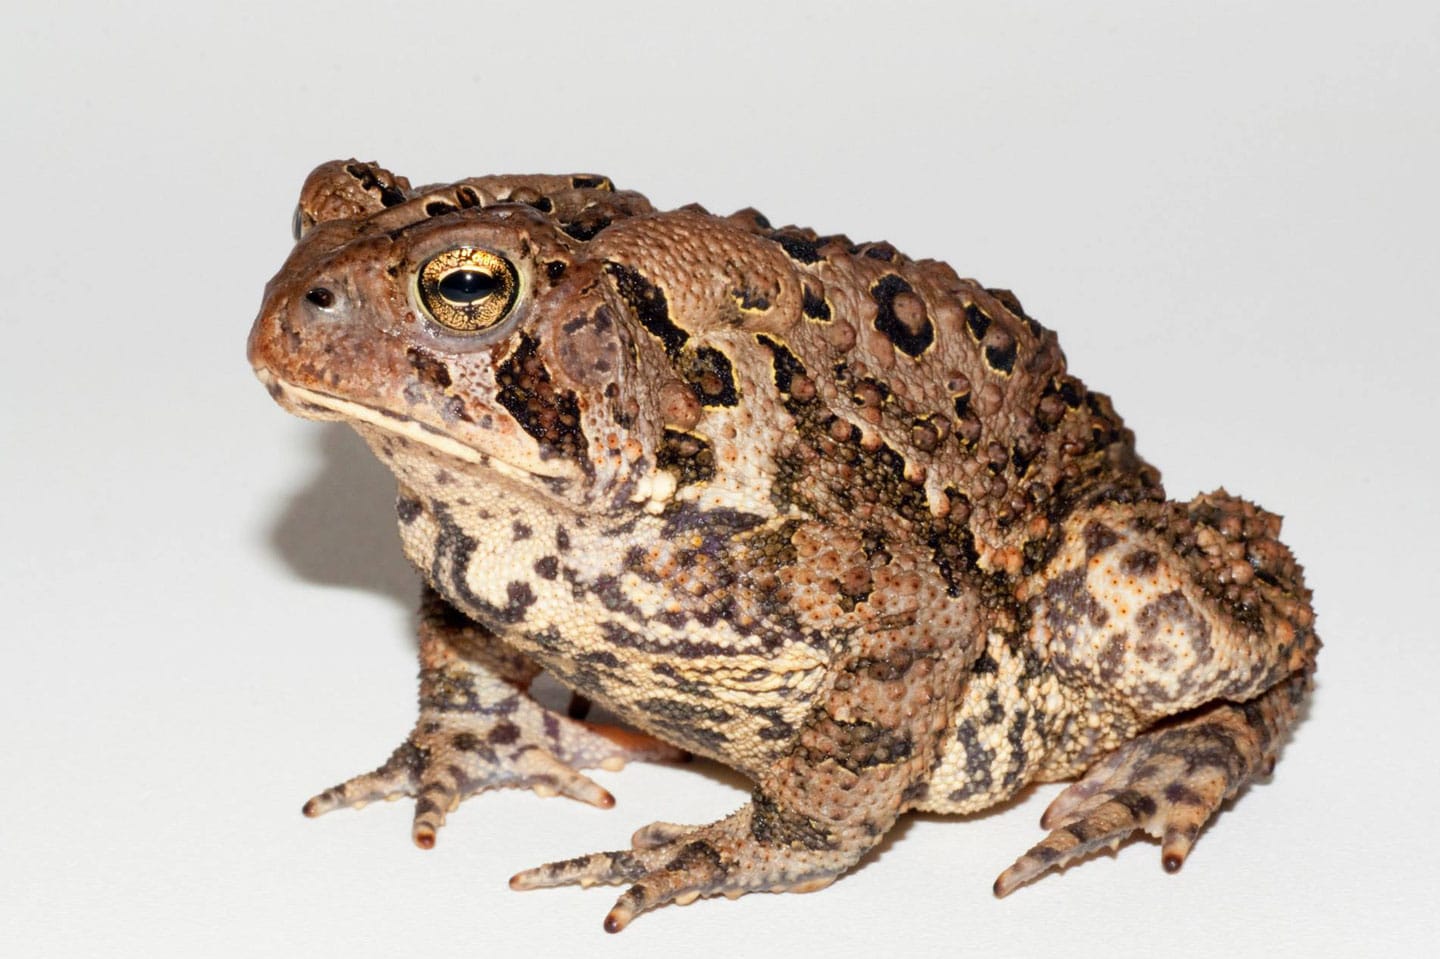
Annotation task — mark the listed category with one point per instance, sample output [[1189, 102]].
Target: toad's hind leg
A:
[[1189, 626], [479, 729], [1167, 782]]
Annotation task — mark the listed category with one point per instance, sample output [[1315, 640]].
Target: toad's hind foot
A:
[[1168, 782], [672, 863]]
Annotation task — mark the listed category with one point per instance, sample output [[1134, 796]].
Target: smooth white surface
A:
[[1228, 210]]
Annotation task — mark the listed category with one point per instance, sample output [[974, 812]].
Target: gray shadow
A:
[[339, 529]]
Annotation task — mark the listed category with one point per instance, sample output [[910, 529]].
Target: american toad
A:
[[835, 517]]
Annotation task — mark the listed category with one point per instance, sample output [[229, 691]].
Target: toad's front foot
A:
[[479, 729], [447, 758], [670, 863]]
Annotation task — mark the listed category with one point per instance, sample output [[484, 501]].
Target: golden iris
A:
[[467, 290]]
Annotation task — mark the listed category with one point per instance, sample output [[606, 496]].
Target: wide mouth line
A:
[[387, 420]]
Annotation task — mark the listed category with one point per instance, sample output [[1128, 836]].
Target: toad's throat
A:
[[305, 401]]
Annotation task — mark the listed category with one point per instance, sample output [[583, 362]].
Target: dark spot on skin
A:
[[994, 713], [1181, 795], [1098, 538], [504, 733], [1019, 759], [467, 197], [772, 826], [1070, 612], [678, 711], [465, 742], [554, 269], [454, 409], [1164, 613], [911, 337], [710, 376], [587, 227], [370, 181], [984, 664], [778, 729], [693, 725], [979, 763], [813, 305], [586, 181], [407, 509], [787, 366], [1140, 562], [648, 303], [430, 369], [750, 300], [863, 744], [439, 208], [1141, 806], [521, 597], [543, 204], [600, 657], [978, 322], [962, 406], [547, 567], [454, 549], [1022, 454], [550, 416], [562, 538], [1000, 356], [880, 251], [520, 531], [687, 455], [1072, 392], [1112, 658], [798, 248]]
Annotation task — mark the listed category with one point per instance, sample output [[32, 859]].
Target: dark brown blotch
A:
[[649, 305], [814, 305], [901, 315], [710, 375], [688, 455], [428, 367], [1000, 353], [503, 734], [1140, 562], [549, 415]]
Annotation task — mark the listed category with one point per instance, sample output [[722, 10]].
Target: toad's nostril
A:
[[321, 297]]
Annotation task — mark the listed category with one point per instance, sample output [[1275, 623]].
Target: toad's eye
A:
[[467, 290]]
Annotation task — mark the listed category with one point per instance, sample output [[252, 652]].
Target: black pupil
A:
[[467, 286]]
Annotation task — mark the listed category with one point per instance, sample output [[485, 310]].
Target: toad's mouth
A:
[[315, 404]]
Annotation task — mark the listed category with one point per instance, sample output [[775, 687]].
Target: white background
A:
[[1228, 210]]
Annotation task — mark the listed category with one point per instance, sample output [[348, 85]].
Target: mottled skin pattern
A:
[[835, 517]]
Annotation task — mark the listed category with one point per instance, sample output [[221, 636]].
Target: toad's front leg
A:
[[478, 729]]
